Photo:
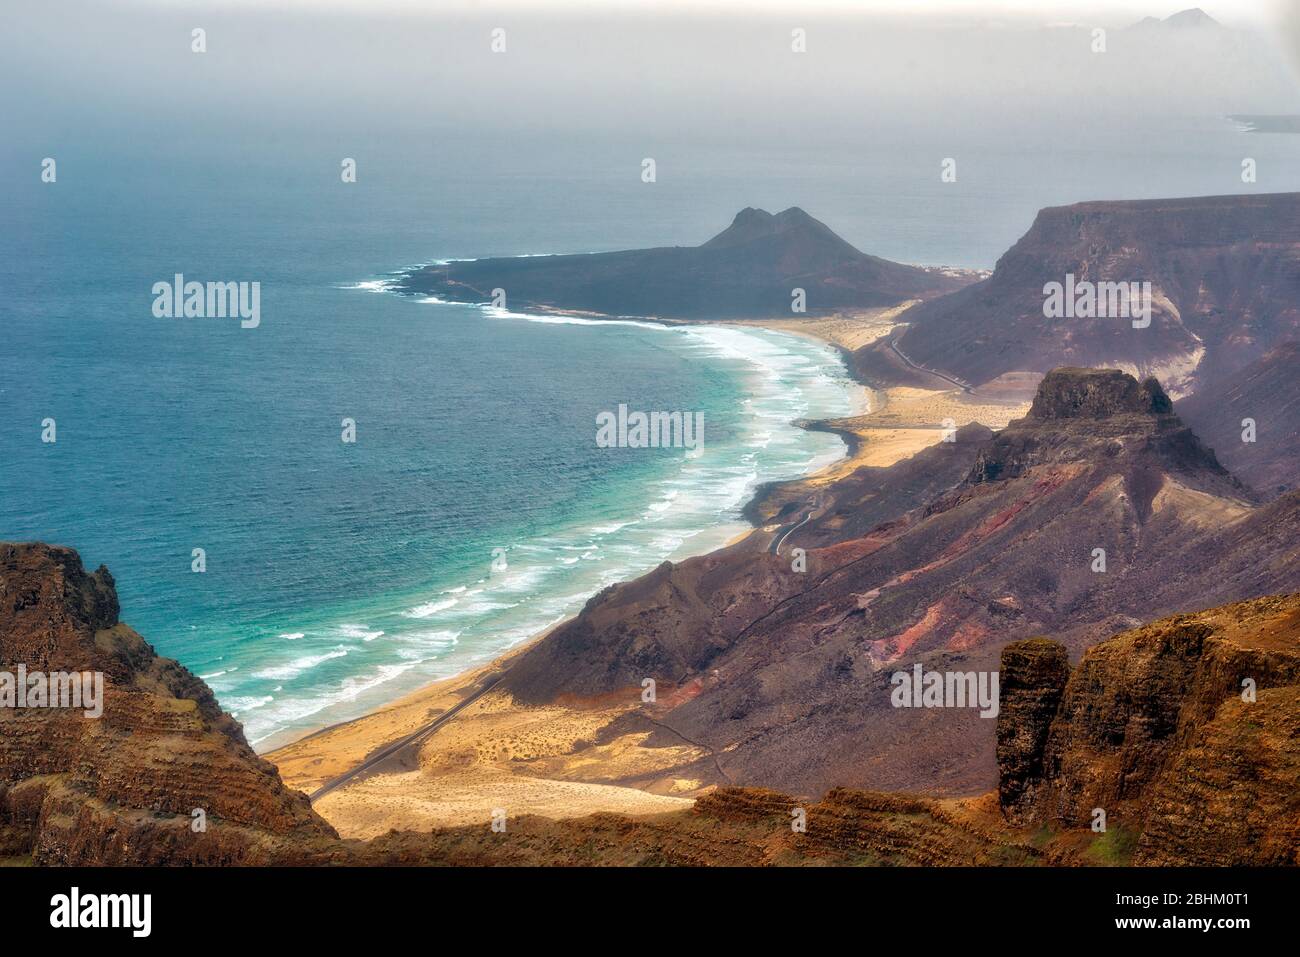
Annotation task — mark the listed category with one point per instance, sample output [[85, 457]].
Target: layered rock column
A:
[[1033, 676]]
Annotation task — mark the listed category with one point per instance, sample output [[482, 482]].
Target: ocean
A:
[[474, 507]]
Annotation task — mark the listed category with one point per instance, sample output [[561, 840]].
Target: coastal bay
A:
[[587, 756]]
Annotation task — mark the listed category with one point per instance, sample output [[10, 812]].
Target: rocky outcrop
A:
[[748, 270], [1186, 731], [130, 785], [1033, 677], [1096, 394]]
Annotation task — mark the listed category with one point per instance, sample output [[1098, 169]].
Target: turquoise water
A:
[[571, 518], [340, 575]]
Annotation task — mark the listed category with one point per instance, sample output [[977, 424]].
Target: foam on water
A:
[[466, 617], [300, 665], [430, 608]]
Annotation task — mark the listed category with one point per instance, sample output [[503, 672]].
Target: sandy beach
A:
[[496, 755]]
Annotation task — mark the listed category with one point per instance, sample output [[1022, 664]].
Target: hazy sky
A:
[[629, 68], [711, 89], [1120, 11]]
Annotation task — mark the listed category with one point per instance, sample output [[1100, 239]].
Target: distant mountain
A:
[[1192, 19], [784, 675], [1225, 289], [748, 270]]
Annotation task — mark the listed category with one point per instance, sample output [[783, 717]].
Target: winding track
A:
[[414, 739], [964, 386], [775, 547]]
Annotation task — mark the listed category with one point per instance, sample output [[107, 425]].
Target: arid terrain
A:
[[922, 550], [1016, 503], [1153, 726]]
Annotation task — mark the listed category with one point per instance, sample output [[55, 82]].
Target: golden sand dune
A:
[[493, 755]]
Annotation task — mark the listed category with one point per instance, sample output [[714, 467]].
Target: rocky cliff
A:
[[1150, 726], [1033, 673], [130, 785], [1186, 732], [1225, 289]]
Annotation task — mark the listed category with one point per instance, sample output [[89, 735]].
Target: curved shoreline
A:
[[341, 765], [413, 763], [702, 539]]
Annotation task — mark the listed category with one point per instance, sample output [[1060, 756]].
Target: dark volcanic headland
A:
[[749, 270]]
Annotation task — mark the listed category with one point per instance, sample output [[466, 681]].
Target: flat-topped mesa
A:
[[1097, 394], [1107, 420], [1216, 281]]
